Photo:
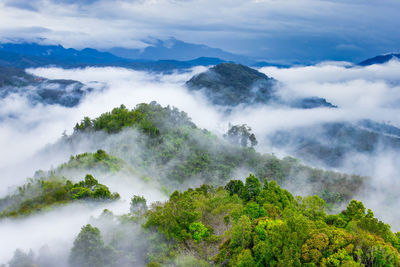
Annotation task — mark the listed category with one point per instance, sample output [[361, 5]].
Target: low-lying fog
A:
[[360, 92]]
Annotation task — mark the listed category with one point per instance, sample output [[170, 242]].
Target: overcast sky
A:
[[286, 30]]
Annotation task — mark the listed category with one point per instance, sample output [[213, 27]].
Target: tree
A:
[[241, 134], [241, 233], [22, 259], [138, 205], [355, 210], [234, 187], [198, 231], [251, 188], [89, 249]]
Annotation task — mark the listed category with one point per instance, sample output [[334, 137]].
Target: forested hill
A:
[[39, 90], [230, 84], [240, 224], [174, 151], [224, 222], [255, 224]]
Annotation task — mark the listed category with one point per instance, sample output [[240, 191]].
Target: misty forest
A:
[[129, 147]]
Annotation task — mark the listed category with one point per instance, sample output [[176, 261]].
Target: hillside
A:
[[165, 149], [168, 147], [230, 84], [39, 90], [43, 193], [222, 222], [327, 144], [240, 224]]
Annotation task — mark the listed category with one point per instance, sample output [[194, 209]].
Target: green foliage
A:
[[138, 205], [190, 261], [173, 150], [267, 226], [89, 249], [235, 187], [198, 231], [144, 117], [99, 160], [40, 194], [251, 188]]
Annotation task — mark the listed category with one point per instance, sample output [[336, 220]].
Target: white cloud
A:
[[248, 27]]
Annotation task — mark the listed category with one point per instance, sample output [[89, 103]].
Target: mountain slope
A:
[[163, 144], [222, 222], [230, 84], [67, 93], [381, 59]]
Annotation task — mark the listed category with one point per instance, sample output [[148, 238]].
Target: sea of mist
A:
[[28, 130]]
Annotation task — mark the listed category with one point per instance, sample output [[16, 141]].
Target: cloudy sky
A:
[[286, 30]]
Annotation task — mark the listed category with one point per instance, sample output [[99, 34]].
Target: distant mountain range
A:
[[381, 59], [160, 56], [177, 50], [27, 55]]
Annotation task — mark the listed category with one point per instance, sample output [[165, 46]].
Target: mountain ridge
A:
[[231, 84], [380, 59]]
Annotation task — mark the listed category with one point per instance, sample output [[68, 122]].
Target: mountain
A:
[[40, 90], [10, 76], [163, 145], [57, 54], [31, 55], [161, 56], [176, 50], [11, 59], [322, 144], [381, 59], [230, 84], [213, 220], [167, 66], [311, 102]]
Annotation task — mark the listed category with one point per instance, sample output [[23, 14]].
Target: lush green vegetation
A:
[[255, 224], [242, 224], [99, 161], [173, 150], [251, 223], [42, 193]]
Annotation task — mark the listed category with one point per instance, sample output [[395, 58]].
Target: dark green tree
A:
[[89, 249], [138, 205]]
